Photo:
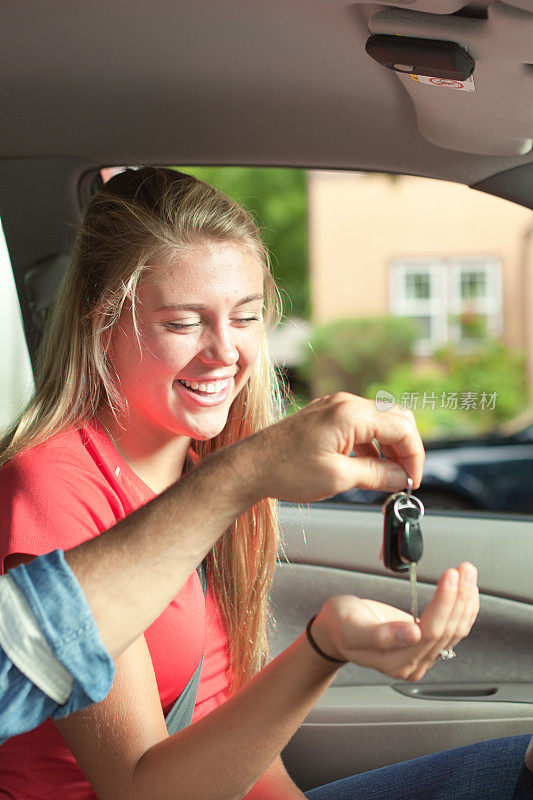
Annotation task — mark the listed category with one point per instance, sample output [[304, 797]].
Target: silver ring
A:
[[446, 655], [405, 501]]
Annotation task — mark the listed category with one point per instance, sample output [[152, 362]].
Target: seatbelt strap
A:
[[180, 715]]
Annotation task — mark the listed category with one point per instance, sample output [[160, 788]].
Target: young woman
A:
[[154, 357]]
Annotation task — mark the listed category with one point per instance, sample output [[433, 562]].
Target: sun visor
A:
[[491, 111], [431, 6]]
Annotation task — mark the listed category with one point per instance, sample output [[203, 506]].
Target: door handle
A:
[[464, 692]]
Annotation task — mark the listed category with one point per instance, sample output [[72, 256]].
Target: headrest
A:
[[41, 282]]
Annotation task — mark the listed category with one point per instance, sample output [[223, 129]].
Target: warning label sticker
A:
[[447, 83]]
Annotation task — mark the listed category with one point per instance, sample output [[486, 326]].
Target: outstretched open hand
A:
[[382, 637]]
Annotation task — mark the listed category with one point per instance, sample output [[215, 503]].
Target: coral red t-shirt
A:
[[60, 494]]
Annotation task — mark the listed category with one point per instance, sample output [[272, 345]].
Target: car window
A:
[[15, 366], [411, 291], [419, 297]]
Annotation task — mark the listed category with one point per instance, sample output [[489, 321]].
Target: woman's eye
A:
[[245, 320], [188, 326], [182, 326]]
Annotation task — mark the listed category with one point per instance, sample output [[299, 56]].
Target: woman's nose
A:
[[220, 348]]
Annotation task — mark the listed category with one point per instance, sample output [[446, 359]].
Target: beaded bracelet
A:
[[316, 648]]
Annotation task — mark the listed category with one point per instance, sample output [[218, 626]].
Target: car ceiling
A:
[[204, 81]]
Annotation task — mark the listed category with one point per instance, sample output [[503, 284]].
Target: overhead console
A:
[[459, 66]]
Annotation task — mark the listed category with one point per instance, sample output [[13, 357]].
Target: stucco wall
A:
[[358, 223]]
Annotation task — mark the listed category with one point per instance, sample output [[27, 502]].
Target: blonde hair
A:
[[144, 217]]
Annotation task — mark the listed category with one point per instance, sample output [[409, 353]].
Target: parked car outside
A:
[[487, 473]]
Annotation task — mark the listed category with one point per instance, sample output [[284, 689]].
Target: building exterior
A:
[[455, 260]]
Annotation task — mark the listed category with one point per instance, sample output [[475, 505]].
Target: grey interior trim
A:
[[513, 185], [39, 209], [365, 728], [351, 540], [502, 47], [376, 704]]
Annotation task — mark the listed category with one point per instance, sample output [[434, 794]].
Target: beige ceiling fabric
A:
[[493, 113]]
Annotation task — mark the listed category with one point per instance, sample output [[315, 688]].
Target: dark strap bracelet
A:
[[316, 648]]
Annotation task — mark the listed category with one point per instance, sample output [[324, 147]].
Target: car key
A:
[[402, 537], [402, 534]]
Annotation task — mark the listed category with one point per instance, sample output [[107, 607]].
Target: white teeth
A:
[[213, 387]]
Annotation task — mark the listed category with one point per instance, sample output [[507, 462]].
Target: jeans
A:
[[64, 617], [491, 770]]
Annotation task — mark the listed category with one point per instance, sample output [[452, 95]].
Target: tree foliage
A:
[[489, 387], [350, 354], [277, 198]]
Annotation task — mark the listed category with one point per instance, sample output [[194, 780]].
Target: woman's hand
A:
[[305, 457], [381, 637]]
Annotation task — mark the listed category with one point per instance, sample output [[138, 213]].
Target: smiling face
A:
[[199, 318]]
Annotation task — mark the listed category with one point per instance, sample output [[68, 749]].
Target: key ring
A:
[[390, 499], [404, 493], [408, 501]]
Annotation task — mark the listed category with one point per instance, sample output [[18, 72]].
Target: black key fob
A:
[[411, 545], [402, 534]]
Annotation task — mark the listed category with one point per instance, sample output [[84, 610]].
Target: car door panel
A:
[[344, 734], [365, 720]]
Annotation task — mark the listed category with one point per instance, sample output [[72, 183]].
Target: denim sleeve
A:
[[23, 705], [63, 614]]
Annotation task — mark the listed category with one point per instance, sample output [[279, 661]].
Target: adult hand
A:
[[305, 457], [382, 637]]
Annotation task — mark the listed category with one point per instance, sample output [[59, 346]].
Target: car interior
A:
[[438, 89]]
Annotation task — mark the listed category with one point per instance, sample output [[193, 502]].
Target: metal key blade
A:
[[414, 591]]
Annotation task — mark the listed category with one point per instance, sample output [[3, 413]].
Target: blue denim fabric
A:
[[492, 770], [59, 605]]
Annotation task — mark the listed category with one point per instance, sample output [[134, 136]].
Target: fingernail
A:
[[396, 478], [470, 576], [452, 579], [406, 635]]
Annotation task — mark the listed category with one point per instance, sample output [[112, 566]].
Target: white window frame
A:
[[489, 306], [404, 306], [445, 301]]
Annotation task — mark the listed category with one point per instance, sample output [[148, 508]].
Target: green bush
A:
[[489, 387], [351, 354]]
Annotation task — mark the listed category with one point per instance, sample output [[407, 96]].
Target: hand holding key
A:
[[403, 545], [385, 638], [377, 635]]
